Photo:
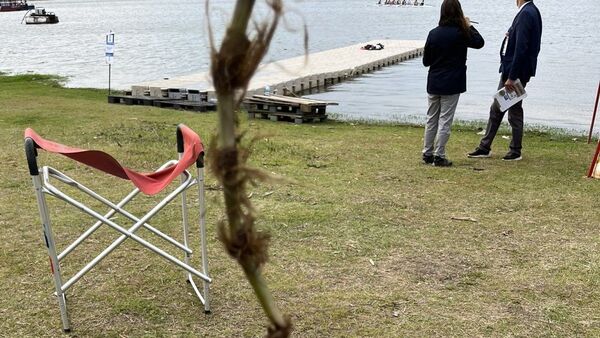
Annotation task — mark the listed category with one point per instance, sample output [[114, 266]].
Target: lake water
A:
[[156, 39]]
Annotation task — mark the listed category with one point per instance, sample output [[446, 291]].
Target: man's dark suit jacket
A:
[[446, 56], [524, 37]]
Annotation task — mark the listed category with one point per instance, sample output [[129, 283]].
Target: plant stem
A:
[[241, 15], [263, 294], [226, 120], [226, 65]]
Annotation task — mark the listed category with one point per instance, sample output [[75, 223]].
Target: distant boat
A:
[[40, 16], [402, 3], [16, 5]]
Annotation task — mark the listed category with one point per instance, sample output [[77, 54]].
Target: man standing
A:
[[518, 61]]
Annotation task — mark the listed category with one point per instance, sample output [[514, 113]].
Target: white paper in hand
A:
[[508, 99]]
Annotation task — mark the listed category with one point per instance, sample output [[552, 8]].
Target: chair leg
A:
[[184, 215], [202, 210], [49, 241]]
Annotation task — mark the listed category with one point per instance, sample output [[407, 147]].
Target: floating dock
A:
[[301, 73]]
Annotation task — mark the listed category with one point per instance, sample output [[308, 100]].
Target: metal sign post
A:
[[109, 53]]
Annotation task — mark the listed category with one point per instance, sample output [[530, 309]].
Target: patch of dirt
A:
[[440, 268]]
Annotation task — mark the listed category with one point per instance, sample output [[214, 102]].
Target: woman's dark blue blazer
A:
[[446, 56]]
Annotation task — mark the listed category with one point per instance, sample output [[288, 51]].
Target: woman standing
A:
[[446, 56]]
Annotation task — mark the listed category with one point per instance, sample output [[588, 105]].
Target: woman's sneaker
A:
[[479, 153], [428, 159], [441, 162]]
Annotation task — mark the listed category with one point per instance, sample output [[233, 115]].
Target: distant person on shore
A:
[[518, 61], [446, 56]]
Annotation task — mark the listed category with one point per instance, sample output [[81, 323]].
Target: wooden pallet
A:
[[186, 105], [132, 100], [287, 117], [184, 94], [163, 102], [290, 103], [277, 107], [196, 95]]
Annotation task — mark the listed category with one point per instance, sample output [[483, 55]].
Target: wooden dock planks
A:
[[302, 73]]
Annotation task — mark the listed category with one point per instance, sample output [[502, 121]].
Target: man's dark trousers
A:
[[518, 60], [515, 119]]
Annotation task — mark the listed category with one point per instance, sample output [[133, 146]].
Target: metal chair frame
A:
[[44, 187]]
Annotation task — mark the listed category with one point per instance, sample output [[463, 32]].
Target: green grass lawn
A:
[[366, 240]]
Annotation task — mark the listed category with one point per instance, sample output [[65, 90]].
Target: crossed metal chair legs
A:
[[43, 186]]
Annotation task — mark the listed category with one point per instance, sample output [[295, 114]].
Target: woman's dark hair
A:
[[451, 14]]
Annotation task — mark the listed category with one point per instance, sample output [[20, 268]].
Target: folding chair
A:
[[190, 150]]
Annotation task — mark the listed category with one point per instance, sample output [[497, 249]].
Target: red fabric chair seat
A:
[[150, 183]]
